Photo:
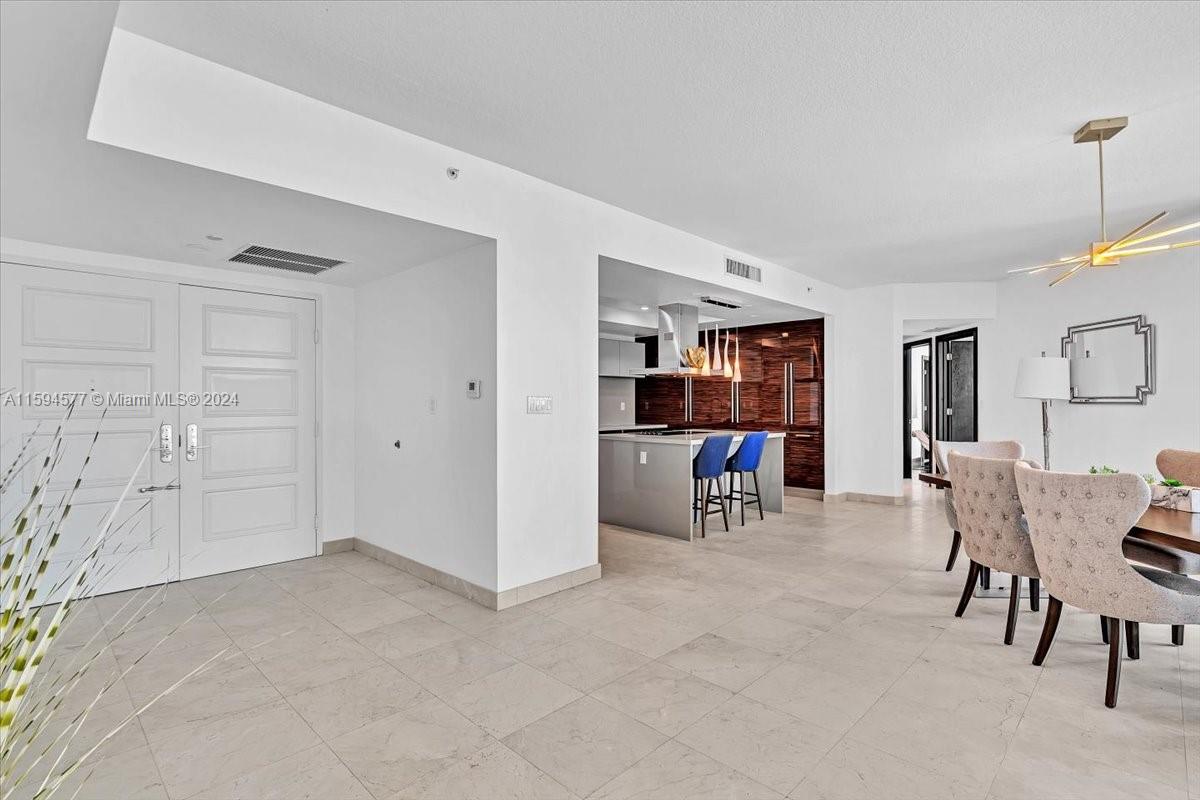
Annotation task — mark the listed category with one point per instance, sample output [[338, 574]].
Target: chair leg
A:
[[696, 500], [1014, 605], [707, 484], [721, 497], [954, 545], [1049, 627], [986, 577], [1035, 594], [1104, 629], [742, 494], [1133, 645], [1114, 662], [1177, 635], [969, 589], [758, 495]]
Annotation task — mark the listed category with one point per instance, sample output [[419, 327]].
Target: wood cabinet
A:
[[782, 389]]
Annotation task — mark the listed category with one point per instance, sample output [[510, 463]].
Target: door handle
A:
[[167, 488], [193, 442], [166, 443]]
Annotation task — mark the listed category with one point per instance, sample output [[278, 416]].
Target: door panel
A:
[[67, 331], [249, 485]]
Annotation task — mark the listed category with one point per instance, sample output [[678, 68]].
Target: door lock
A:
[[166, 443], [193, 442]]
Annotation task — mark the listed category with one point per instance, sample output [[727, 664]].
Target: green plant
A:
[[1170, 482], [36, 609], [1104, 470]]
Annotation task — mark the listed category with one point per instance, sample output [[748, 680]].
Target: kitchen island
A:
[[646, 480]]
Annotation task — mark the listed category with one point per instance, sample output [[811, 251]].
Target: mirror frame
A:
[[1140, 328]]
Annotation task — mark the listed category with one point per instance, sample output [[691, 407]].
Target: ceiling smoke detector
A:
[[285, 260]]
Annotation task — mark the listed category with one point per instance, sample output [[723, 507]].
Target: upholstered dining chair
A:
[[1183, 466], [993, 534], [998, 449], [1077, 523]]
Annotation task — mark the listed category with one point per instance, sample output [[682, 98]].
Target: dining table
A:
[[1171, 527]]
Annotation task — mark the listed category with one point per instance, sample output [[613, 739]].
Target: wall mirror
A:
[[1111, 361]]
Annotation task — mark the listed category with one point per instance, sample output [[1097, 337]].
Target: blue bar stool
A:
[[709, 466], [746, 459]]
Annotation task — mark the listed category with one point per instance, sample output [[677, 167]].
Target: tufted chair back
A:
[[941, 453], [1182, 465], [1077, 523], [989, 514]]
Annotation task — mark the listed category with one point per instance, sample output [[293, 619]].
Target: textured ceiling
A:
[[60, 188], [858, 142]]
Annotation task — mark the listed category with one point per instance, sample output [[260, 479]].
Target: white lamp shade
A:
[[1044, 378]]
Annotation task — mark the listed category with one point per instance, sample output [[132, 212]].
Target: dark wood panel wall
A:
[[765, 350]]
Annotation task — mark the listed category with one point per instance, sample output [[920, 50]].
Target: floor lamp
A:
[[1044, 379]]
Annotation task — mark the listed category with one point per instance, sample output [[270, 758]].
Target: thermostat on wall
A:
[[473, 388]]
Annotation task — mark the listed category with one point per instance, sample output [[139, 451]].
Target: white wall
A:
[[161, 101], [1031, 317], [335, 307], [420, 334]]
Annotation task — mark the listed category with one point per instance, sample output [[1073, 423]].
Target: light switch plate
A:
[[641, 456], [622, 405], [535, 404], [473, 388]]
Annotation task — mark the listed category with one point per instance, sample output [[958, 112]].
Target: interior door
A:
[[248, 459], [115, 340]]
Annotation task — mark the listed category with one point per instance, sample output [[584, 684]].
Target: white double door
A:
[[217, 386]]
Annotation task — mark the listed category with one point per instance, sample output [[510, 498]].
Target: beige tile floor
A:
[[814, 655]]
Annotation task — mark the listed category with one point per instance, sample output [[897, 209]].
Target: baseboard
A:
[[859, 497], [337, 545], [477, 594], [800, 491]]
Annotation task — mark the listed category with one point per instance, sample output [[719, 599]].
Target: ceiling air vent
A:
[[741, 270], [716, 301], [285, 259]]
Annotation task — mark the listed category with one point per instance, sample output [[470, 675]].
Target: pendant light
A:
[[1109, 252], [706, 369], [728, 370], [716, 362], [737, 359]]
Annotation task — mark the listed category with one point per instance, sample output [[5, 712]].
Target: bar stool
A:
[[709, 466], [746, 459]]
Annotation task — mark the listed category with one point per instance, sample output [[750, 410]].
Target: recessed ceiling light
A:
[[212, 237], [644, 308]]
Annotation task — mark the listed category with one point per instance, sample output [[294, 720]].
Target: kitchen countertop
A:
[[682, 438], [619, 428]]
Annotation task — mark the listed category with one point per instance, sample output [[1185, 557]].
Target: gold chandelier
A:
[[1105, 253]]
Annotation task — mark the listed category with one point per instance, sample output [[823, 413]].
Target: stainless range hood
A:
[[678, 329]]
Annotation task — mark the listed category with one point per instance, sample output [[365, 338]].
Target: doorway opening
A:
[[957, 381], [918, 407]]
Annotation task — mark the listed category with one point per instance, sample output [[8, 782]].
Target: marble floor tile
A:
[[304, 660], [391, 753], [361, 617], [448, 666], [650, 635], [677, 772], [493, 773], [587, 663], [528, 636], [510, 699], [342, 705], [853, 771], [662, 697], [129, 775], [312, 774], [770, 634], [818, 694], [228, 685], [722, 661], [585, 744], [192, 758], [774, 748], [399, 640]]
